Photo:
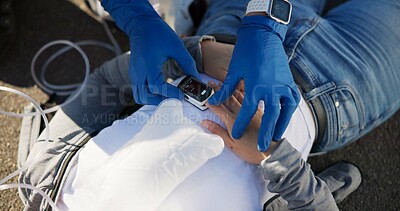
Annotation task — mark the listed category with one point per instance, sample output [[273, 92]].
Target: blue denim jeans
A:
[[348, 60]]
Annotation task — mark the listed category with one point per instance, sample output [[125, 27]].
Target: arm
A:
[[289, 175], [259, 59], [293, 179], [152, 43]]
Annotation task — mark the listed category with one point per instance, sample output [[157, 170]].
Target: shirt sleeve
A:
[[292, 178]]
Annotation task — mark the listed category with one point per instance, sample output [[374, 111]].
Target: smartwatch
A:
[[278, 10]]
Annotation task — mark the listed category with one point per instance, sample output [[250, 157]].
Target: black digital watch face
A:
[[195, 89], [281, 10]]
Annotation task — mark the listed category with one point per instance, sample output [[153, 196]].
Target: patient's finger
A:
[[215, 129], [233, 105], [239, 96], [224, 114], [220, 131], [241, 86], [216, 88]]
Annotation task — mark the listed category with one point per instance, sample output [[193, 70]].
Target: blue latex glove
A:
[[260, 60], [152, 43]]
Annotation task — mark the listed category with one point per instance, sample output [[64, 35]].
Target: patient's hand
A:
[[246, 146]]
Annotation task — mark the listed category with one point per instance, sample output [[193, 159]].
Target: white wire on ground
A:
[[29, 161], [27, 186], [40, 84], [66, 90], [62, 90]]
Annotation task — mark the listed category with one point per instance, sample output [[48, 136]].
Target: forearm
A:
[[293, 179], [216, 57]]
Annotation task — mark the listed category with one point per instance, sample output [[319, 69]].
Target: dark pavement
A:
[[42, 21]]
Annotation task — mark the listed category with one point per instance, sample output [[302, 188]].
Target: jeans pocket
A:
[[349, 118]]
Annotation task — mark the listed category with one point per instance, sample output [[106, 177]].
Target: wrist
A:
[[271, 149], [280, 165], [264, 22]]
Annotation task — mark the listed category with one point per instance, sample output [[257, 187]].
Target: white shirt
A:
[[218, 180]]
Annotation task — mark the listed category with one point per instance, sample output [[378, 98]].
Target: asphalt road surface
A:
[[42, 21]]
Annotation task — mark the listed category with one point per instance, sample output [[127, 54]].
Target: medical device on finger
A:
[[196, 92]]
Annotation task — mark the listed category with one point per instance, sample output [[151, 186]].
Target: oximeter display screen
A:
[[281, 10], [195, 89]]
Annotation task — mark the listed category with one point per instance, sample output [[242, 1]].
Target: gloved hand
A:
[[260, 60], [152, 43]]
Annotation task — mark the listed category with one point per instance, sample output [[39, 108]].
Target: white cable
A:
[[29, 161], [62, 90], [40, 84], [46, 122], [65, 90], [40, 111], [27, 186]]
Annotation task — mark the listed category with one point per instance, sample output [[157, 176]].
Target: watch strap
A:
[[257, 6]]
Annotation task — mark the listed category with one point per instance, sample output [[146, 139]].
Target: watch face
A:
[[281, 10]]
